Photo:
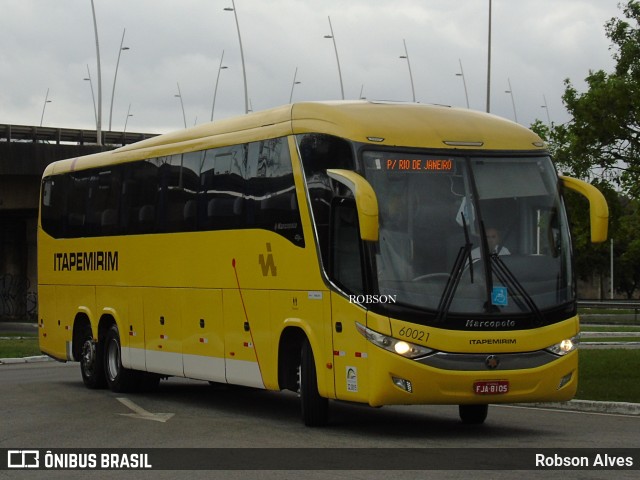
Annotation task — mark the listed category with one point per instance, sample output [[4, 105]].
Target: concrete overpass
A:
[[25, 151]]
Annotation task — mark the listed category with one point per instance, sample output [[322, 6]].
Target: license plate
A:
[[491, 387]]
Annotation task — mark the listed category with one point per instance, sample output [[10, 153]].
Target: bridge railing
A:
[[28, 133]]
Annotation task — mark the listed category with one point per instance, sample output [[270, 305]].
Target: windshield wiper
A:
[[507, 277], [463, 258], [489, 307]]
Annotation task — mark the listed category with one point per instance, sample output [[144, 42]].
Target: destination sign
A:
[[420, 164]]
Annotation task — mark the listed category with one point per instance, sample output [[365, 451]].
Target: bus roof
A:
[[381, 123]]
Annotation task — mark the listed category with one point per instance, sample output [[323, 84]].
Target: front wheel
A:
[[315, 409], [473, 414]]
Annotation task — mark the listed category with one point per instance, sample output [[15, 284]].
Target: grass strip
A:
[[609, 375], [19, 347], [612, 328]]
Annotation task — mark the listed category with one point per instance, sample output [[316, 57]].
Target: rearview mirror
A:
[[598, 209], [366, 201]]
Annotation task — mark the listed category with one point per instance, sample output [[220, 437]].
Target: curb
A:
[[34, 359], [592, 406]]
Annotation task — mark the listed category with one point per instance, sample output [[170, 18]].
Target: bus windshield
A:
[[470, 235]]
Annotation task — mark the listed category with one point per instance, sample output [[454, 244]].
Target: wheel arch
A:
[[85, 319], [81, 321], [106, 320], [291, 339], [292, 336]]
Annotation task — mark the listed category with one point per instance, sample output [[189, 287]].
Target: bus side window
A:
[[54, 205], [222, 187], [178, 183], [270, 185], [143, 191], [345, 252], [77, 205], [318, 153]]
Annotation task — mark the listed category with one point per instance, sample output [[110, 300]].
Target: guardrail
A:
[[29, 133], [613, 304]]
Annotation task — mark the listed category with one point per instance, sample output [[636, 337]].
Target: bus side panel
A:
[[50, 336], [203, 334], [125, 306], [241, 361], [310, 311], [71, 300], [351, 351], [259, 315], [163, 330], [135, 326]]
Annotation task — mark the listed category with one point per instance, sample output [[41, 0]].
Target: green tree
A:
[[601, 142], [592, 259], [603, 138], [627, 251]]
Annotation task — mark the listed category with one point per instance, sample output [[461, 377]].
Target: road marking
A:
[[142, 413]]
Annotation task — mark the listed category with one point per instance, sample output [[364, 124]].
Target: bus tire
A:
[[119, 379], [315, 409], [473, 414], [91, 360]]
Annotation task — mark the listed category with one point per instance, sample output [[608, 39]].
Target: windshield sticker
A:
[[499, 296]]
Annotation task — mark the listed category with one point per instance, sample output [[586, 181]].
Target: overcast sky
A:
[[47, 45]]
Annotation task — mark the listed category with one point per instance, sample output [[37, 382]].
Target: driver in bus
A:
[[493, 241]]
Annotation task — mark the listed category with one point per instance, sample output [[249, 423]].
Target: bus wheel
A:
[[315, 409], [119, 378], [473, 414], [91, 361]]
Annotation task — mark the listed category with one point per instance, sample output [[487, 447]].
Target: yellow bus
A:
[[368, 252]]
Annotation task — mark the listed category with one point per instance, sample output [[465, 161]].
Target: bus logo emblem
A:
[[492, 362], [268, 265]]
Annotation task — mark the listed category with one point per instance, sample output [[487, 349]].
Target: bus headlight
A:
[[400, 347], [565, 346]]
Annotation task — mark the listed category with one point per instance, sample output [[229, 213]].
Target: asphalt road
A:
[[45, 405]]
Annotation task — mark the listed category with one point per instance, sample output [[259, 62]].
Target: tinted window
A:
[[320, 152], [240, 186]]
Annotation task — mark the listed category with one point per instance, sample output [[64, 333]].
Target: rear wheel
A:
[[473, 414], [91, 360], [119, 379], [315, 409]]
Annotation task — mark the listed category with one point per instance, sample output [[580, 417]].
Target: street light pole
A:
[[126, 120], [611, 261], [513, 102], [99, 122], [179, 95], [332, 36], [489, 64], [406, 55], [215, 90], [464, 82], [293, 84], [113, 90], [546, 107], [244, 71], [93, 97], [46, 100]]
